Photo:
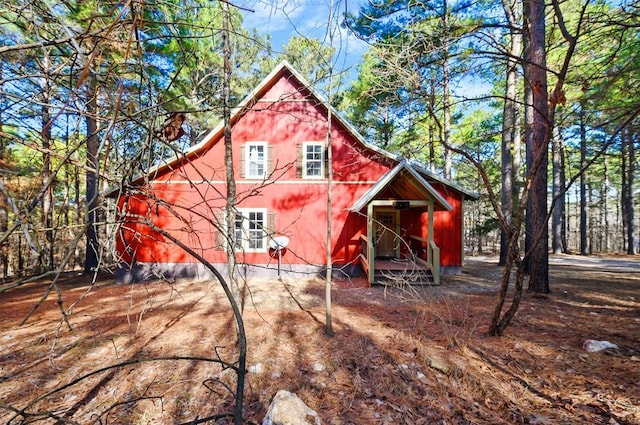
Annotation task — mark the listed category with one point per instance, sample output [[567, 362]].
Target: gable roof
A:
[[403, 169], [237, 112]]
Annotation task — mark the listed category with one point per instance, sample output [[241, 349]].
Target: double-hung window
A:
[[256, 160], [250, 232], [313, 160]]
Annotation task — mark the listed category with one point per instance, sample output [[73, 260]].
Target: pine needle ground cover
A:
[[156, 353]]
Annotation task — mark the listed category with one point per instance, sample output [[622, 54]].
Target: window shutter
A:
[[325, 158], [299, 161], [271, 222], [242, 161], [270, 160], [220, 230]]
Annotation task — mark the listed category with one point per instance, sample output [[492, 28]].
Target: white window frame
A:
[[250, 227], [305, 160], [247, 160]]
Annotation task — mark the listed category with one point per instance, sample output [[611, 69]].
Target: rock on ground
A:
[[286, 408]]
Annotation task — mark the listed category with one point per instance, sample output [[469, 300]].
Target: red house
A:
[[386, 213]]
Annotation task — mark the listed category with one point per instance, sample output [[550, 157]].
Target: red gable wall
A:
[[190, 193], [194, 191]]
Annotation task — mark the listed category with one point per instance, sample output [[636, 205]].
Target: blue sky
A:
[[283, 19]]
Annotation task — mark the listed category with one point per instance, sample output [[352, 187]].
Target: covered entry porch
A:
[[399, 243]]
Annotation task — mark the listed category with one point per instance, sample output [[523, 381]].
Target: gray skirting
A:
[[144, 272]]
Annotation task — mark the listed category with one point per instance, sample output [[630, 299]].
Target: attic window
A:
[[311, 160], [256, 159]]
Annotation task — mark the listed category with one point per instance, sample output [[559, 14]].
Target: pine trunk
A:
[[230, 212], [558, 214], [510, 129], [46, 259], [629, 182], [92, 173], [536, 77], [4, 212], [584, 249], [446, 109]]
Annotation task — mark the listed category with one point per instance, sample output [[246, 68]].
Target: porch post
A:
[[370, 248], [433, 252], [430, 209]]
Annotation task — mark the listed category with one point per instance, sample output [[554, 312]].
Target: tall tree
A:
[[558, 233], [329, 153], [537, 137], [192, 49], [510, 150], [544, 107], [231, 197], [4, 211], [46, 260], [311, 57], [415, 48], [92, 170], [628, 180], [446, 87], [371, 102], [584, 245]]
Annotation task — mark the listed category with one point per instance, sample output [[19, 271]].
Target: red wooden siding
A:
[[447, 228], [191, 192], [195, 190]]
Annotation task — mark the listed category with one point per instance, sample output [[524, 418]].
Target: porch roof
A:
[[405, 183]]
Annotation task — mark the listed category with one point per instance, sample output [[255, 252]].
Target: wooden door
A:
[[386, 238]]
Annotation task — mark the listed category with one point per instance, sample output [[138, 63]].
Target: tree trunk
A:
[[558, 214], [329, 264], [92, 172], [605, 205], [584, 249], [510, 127], [230, 211], [590, 220], [624, 191], [78, 208], [234, 288], [446, 95], [628, 200], [536, 77], [328, 329], [47, 199], [4, 212], [565, 219], [432, 129], [528, 135]]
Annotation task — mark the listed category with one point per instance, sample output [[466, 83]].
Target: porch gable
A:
[[401, 188]]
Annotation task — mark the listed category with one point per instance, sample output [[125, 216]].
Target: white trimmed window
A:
[[255, 160], [250, 232], [313, 160]]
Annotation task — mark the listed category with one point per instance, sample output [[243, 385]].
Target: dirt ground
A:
[[157, 353]]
